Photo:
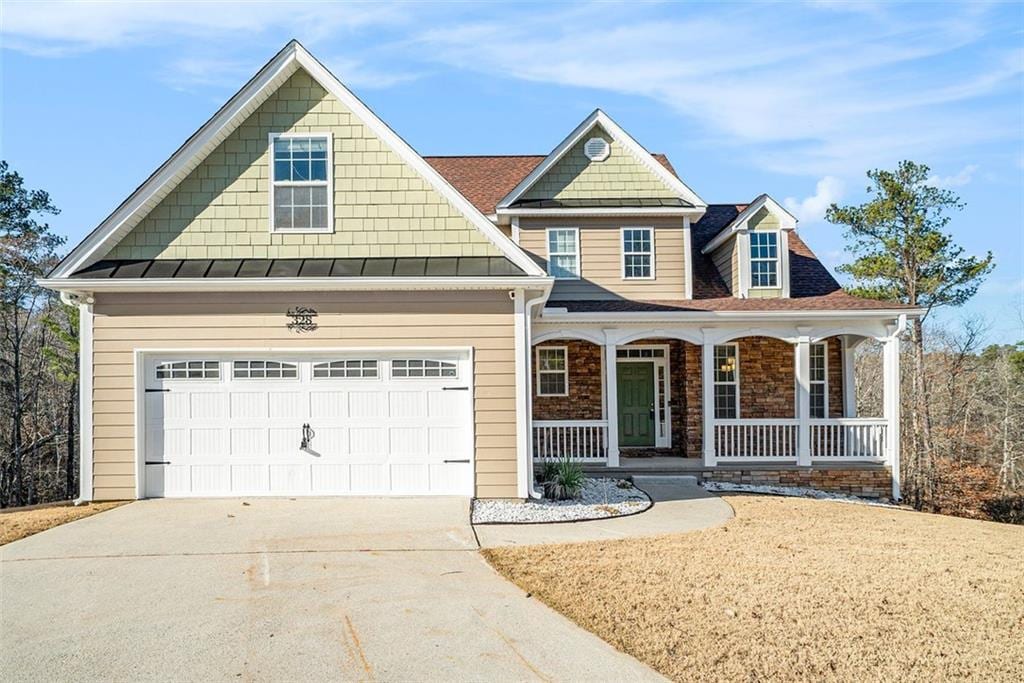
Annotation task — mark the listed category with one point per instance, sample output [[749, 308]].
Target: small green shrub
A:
[[546, 472], [564, 480]]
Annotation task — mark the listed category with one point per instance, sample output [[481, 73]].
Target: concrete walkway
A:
[[279, 589], [677, 508]]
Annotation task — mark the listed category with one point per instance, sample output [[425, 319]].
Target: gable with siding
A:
[[383, 207], [620, 176]]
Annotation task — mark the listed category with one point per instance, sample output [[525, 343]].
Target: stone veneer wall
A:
[[585, 380], [865, 482], [767, 387]]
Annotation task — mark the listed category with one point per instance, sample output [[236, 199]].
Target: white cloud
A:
[[55, 28], [812, 209], [814, 99], [961, 178]]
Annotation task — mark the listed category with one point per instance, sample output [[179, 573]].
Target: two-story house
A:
[[296, 302]]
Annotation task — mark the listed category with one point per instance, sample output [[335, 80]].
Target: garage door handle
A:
[[154, 390], [466, 461], [454, 388]]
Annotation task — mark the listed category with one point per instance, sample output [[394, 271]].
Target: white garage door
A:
[[282, 425]]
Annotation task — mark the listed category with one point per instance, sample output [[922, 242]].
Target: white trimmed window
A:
[[422, 367], [764, 259], [301, 183], [727, 381], [188, 369], [564, 253], [552, 371], [264, 369], [637, 253], [819, 380]]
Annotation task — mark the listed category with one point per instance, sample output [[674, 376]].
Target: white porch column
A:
[[803, 400], [707, 374], [611, 392], [891, 402], [849, 379]]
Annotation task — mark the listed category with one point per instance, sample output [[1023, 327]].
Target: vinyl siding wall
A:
[[383, 208], [620, 176], [726, 260], [601, 257], [125, 322]]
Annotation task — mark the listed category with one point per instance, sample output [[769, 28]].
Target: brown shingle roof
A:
[[485, 180], [812, 287]]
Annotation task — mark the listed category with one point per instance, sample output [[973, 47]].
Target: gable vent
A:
[[597, 149]]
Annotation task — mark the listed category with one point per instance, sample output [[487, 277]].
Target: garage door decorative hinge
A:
[[302, 319]]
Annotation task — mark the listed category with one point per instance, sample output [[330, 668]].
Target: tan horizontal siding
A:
[[601, 257], [124, 323]]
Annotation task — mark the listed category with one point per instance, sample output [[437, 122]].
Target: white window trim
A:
[[579, 257], [329, 184], [361, 378], [622, 250], [824, 382], [777, 259], [736, 380], [191, 380], [564, 371]]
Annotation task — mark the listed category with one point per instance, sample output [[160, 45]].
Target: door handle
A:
[[307, 436]]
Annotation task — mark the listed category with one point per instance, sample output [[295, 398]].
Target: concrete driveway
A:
[[280, 589]]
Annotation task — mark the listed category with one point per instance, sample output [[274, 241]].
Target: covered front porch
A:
[[729, 397]]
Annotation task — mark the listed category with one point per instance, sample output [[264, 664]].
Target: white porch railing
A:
[[756, 439], [846, 439], [850, 438], [581, 440]]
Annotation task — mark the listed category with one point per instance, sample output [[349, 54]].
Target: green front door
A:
[[636, 404]]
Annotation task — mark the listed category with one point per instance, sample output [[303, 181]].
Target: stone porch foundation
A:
[[874, 483]]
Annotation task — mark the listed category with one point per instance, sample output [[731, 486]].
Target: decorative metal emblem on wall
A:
[[302, 319]]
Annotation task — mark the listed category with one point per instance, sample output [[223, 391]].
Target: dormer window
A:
[[764, 259], [301, 183]]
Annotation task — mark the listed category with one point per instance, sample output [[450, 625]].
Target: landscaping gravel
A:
[[599, 499], [794, 491]]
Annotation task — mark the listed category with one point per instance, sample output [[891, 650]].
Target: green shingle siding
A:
[[382, 206], [620, 176]]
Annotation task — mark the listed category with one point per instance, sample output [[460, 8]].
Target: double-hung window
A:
[[764, 259], [552, 371], [727, 382], [637, 253], [819, 380], [301, 183], [564, 253]]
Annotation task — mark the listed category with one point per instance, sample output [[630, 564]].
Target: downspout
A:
[[528, 313], [83, 302]]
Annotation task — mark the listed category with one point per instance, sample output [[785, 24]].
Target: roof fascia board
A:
[[286, 62], [598, 117], [280, 66], [563, 316], [787, 221], [291, 284], [624, 211]]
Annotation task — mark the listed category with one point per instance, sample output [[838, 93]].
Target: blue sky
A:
[[797, 100]]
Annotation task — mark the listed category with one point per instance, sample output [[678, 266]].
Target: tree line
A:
[[963, 404]]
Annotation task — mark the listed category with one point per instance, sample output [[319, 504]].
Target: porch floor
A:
[[675, 465]]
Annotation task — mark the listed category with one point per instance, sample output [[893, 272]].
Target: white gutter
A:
[[305, 284], [562, 315], [530, 305]]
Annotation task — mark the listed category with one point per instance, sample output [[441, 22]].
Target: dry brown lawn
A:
[[18, 524], [796, 589]]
